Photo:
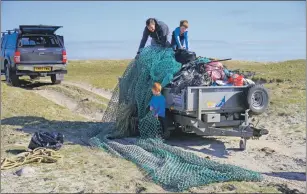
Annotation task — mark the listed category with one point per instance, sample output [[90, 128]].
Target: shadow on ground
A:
[[207, 145], [283, 188], [31, 85], [79, 132], [298, 176], [76, 132]]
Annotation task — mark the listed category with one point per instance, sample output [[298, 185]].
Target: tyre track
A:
[[101, 92], [74, 105]]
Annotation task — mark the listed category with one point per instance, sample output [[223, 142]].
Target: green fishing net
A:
[[171, 167]]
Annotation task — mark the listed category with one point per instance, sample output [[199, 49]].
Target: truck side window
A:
[[38, 41]]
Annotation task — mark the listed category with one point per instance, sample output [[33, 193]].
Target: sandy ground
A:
[[279, 162], [280, 156]]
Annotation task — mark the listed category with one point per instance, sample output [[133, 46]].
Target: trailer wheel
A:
[[257, 99], [178, 129], [167, 124], [242, 144], [166, 134]]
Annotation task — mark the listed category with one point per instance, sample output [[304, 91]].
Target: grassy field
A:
[[101, 74], [90, 170]]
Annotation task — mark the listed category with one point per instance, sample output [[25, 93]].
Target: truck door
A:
[[38, 29]]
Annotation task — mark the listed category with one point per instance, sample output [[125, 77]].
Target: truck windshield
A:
[[38, 41]]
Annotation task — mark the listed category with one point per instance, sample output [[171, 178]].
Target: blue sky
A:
[[234, 28]]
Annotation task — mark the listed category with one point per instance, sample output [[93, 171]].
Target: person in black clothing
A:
[[158, 31]]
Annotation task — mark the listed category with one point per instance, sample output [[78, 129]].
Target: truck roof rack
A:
[[15, 30]]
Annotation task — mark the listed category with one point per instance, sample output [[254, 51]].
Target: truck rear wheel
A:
[[11, 77], [257, 99], [54, 79]]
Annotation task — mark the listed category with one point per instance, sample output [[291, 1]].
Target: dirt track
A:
[[280, 156]]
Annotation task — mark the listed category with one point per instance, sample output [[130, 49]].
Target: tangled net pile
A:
[[171, 167]]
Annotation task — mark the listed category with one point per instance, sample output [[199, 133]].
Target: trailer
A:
[[216, 111], [213, 111]]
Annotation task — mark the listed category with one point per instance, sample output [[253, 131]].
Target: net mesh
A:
[[171, 167]]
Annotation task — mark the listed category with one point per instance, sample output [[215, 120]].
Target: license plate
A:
[[42, 69]]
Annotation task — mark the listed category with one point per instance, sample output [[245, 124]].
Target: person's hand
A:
[[151, 108], [156, 115]]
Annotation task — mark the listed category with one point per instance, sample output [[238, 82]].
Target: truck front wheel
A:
[[11, 77]]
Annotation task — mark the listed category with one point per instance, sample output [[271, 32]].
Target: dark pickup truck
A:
[[35, 51]]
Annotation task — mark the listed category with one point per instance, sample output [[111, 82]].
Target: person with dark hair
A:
[[158, 31], [180, 36]]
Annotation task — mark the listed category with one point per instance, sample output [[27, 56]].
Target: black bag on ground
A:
[[46, 140], [183, 56]]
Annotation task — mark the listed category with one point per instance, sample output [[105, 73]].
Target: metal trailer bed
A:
[[212, 111]]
